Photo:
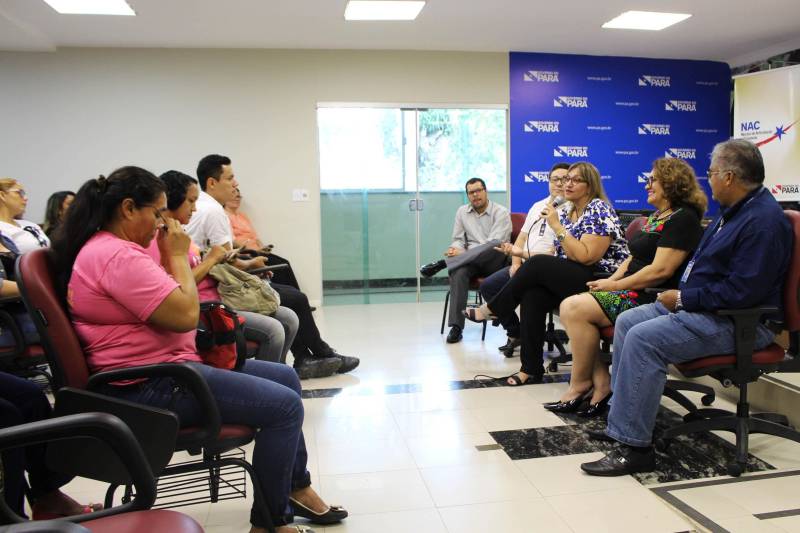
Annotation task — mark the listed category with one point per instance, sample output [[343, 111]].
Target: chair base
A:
[[478, 301]]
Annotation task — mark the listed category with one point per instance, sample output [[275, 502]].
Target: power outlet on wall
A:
[[299, 195]]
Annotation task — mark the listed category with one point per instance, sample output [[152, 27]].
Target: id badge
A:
[[687, 271]]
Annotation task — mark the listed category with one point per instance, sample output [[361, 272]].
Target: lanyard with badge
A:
[[717, 228]]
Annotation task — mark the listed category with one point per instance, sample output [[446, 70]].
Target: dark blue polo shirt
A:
[[742, 258]]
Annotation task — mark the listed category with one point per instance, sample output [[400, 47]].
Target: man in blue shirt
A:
[[740, 262]]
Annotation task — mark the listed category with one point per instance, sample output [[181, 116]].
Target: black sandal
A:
[[470, 313], [333, 515], [517, 381]]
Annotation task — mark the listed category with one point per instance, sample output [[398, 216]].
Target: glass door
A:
[[391, 180]]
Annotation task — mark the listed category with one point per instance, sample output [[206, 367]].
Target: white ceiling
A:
[[736, 31]]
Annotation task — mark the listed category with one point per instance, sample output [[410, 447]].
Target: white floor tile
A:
[[377, 492], [749, 524], [380, 426], [438, 423], [562, 475], [477, 483], [631, 510], [454, 449], [493, 397], [423, 402], [426, 520], [516, 417], [507, 517], [342, 457]]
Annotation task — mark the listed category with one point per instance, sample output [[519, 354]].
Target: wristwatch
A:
[[561, 235], [678, 302]]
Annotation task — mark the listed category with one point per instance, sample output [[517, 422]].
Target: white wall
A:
[[73, 114]]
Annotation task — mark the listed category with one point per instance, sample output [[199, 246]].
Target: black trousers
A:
[[308, 341], [22, 401], [284, 276], [539, 286]]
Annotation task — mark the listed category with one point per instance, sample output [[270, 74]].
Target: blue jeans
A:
[[647, 339], [263, 395], [489, 288]]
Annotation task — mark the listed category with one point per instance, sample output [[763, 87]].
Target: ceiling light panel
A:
[[645, 20], [91, 7], [383, 9]]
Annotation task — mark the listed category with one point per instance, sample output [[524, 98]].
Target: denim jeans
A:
[[275, 333], [263, 395], [646, 340], [489, 288]]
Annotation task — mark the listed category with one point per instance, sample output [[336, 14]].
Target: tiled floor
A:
[[405, 449]]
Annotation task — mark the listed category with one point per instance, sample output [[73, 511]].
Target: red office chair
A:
[[34, 274], [517, 221], [97, 431], [746, 366], [672, 387]]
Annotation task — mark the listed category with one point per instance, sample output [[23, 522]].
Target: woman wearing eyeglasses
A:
[[659, 253], [26, 235], [589, 239]]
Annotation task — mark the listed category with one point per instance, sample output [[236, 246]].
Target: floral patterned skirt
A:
[[613, 303]]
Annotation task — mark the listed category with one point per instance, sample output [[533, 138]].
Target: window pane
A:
[[458, 144], [360, 148]]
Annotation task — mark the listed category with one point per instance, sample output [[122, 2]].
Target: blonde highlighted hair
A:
[[591, 175], [680, 184]]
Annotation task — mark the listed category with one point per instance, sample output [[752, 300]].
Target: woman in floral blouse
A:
[[589, 239], [659, 253]]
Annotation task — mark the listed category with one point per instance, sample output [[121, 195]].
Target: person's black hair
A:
[[177, 184], [474, 180], [558, 166], [211, 167], [52, 213], [95, 206]]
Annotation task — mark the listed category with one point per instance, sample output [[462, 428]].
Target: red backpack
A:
[[220, 336]]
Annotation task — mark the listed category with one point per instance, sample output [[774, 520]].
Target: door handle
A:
[[420, 205], [412, 205]]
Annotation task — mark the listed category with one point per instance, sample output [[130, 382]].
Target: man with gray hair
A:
[[740, 263]]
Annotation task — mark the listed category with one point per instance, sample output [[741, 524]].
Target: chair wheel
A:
[[552, 366], [662, 445], [735, 469], [707, 399]]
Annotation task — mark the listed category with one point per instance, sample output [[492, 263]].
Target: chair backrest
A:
[[634, 227], [36, 280], [517, 221], [791, 296]]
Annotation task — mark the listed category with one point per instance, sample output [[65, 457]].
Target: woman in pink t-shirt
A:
[[129, 311]]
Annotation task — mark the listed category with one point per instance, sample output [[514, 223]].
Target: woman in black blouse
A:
[[659, 254]]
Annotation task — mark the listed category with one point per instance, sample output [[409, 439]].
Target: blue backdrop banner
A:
[[619, 113]]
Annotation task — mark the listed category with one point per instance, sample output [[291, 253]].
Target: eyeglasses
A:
[[711, 172], [475, 191], [557, 181], [20, 192], [573, 179]]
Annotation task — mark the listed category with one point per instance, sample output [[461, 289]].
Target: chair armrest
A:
[[101, 426], [185, 375], [745, 322]]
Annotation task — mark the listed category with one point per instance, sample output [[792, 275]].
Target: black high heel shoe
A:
[[570, 406], [595, 409]]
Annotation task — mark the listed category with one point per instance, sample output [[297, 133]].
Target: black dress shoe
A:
[[431, 269], [622, 461], [348, 362], [509, 347], [570, 406], [595, 409], [333, 515], [454, 336]]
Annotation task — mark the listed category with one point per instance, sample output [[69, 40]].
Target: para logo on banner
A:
[[654, 129], [541, 126], [643, 177], [681, 153], [790, 188], [571, 101], [536, 176], [571, 151], [546, 76], [654, 81], [688, 106]]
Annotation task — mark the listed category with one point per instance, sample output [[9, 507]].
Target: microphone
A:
[[558, 201]]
